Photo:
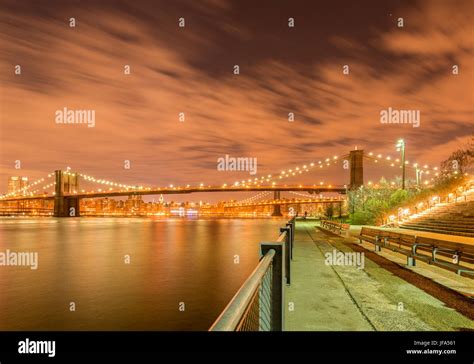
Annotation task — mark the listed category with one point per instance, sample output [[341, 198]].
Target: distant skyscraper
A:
[[134, 202], [16, 183]]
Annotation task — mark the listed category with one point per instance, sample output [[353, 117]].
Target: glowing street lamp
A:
[[401, 148]]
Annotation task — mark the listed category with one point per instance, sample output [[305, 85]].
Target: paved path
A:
[[321, 301], [335, 298]]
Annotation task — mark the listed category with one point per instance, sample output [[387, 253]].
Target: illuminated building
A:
[[16, 183]]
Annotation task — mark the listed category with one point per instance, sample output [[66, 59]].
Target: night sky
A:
[[190, 70]]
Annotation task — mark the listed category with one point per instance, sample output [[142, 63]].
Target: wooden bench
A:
[[455, 256], [334, 226], [399, 242], [372, 236], [458, 257]]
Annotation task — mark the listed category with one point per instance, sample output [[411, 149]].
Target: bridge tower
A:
[[356, 161], [276, 208], [66, 183]]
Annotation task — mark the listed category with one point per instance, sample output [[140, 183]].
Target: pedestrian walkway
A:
[[346, 298]]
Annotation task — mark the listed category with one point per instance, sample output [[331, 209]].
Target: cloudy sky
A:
[[282, 69]]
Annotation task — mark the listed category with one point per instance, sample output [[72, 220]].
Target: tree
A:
[[460, 161], [329, 211], [398, 197]]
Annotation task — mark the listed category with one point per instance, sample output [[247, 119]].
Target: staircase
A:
[[454, 218]]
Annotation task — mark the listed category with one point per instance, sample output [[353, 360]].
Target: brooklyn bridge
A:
[[60, 192]]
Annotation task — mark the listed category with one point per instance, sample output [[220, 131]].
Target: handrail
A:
[[282, 237], [232, 314], [258, 304]]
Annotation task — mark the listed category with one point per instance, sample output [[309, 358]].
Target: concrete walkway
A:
[[321, 302], [344, 297]]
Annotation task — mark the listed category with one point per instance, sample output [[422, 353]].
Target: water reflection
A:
[[83, 261]]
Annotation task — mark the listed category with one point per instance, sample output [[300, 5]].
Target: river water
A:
[[126, 273]]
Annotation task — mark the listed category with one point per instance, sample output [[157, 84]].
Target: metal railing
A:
[[258, 304]]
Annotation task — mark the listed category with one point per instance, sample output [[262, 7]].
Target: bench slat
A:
[[423, 248]]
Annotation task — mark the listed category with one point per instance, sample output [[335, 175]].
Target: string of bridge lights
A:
[[421, 168], [297, 200], [424, 167], [260, 195], [256, 181], [24, 191], [307, 195], [272, 178], [255, 197], [307, 167], [107, 182], [129, 187], [291, 172]]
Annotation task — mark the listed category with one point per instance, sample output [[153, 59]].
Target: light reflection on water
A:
[[81, 260]]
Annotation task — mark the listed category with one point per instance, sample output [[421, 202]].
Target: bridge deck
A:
[[184, 190], [333, 298]]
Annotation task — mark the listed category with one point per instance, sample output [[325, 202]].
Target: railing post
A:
[[277, 291], [293, 229], [290, 226], [287, 253]]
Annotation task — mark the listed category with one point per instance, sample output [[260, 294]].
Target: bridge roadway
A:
[[184, 190], [344, 298]]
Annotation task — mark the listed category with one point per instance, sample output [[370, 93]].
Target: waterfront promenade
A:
[[342, 297]]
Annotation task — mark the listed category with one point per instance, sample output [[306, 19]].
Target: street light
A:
[[419, 173], [401, 148]]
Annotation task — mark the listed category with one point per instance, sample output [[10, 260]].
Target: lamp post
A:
[[401, 148], [418, 173]]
